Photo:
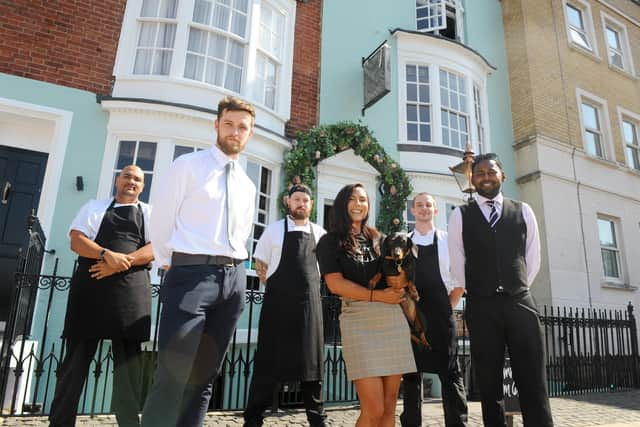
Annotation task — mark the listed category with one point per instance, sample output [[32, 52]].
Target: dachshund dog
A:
[[400, 254]]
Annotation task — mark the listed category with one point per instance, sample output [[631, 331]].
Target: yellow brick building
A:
[[574, 70]]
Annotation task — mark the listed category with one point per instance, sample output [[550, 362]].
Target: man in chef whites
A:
[[290, 334]]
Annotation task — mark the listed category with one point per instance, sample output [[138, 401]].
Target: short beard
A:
[[297, 214], [490, 195]]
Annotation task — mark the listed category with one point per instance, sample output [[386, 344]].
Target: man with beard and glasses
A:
[[494, 250], [204, 218], [290, 335]]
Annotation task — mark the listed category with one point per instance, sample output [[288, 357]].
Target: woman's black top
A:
[[358, 267]]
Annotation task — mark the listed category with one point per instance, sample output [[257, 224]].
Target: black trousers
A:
[[73, 372], [454, 401], [261, 397], [501, 321]]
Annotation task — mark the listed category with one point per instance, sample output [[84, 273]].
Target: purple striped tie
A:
[[493, 216]]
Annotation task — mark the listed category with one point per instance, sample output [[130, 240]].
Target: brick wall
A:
[[305, 91], [67, 42]]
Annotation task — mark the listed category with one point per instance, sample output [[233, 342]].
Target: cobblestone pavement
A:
[[621, 409]]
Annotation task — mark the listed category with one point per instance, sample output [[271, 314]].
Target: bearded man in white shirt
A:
[[494, 248], [204, 218], [290, 335]]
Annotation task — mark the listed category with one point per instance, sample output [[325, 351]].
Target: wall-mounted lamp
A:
[[79, 183], [462, 172]]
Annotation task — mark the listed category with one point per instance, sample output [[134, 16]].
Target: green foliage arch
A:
[[321, 142]]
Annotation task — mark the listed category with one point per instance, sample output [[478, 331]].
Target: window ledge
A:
[[603, 161], [428, 147], [619, 286], [586, 52], [627, 73]]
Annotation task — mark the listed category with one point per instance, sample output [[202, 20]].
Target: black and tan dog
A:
[[399, 254]]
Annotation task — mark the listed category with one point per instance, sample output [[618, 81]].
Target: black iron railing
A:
[[587, 350]]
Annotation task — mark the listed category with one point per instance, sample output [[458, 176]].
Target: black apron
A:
[[436, 307], [118, 306], [290, 335]]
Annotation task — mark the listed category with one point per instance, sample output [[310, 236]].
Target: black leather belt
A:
[[180, 258]]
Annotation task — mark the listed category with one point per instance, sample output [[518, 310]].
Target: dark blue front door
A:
[[21, 176]]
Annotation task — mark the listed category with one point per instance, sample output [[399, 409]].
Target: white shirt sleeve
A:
[[532, 248], [146, 214], [269, 246], [457, 257], [444, 263], [163, 219], [89, 218]]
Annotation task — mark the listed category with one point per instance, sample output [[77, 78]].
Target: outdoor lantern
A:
[[462, 172]]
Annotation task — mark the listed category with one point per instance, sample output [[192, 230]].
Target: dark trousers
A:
[[72, 374], [498, 321], [261, 397], [454, 401], [201, 306]]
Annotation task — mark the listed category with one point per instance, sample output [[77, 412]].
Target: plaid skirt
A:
[[376, 340]]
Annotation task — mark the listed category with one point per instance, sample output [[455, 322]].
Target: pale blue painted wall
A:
[[353, 29]]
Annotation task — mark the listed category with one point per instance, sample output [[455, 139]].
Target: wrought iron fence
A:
[[587, 350]]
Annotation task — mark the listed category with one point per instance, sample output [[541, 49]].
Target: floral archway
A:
[[322, 142]]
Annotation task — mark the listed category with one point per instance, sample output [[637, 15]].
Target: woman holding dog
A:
[[375, 335]]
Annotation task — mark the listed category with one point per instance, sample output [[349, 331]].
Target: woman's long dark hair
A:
[[340, 222]]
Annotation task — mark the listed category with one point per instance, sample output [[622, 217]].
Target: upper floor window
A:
[[140, 153], [580, 24], [592, 129], [240, 46], [609, 248], [455, 117], [631, 142], [418, 103], [156, 37], [618, 52], [443, 17], [477, 104]]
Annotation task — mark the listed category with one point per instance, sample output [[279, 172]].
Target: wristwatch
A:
[[103, 252]]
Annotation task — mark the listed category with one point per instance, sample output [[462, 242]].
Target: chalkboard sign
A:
[[509, 390]]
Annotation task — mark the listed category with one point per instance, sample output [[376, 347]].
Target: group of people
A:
[[198, 234]]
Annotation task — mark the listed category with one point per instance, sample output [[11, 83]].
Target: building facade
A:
[[575, 89], [447, 85]]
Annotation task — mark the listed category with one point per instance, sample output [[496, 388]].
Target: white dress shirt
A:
[[89, 217], [443, 254], [191, 212], [269, 247], [456, 245]]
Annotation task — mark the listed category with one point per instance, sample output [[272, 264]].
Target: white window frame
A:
[[471, 81], [467, 112], [116, 170], [587, 19], [479, 118], [625, 48], [418, 104], [634, 119], [271, 200], [602, 108], [181, 89], [617, 249], [158, 21], [439, 9]]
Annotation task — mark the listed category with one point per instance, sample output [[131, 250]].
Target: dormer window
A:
[[442, 17]]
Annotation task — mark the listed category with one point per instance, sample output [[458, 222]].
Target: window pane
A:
[[179, 150], [412, 113], [202, 11], [148, 180], [593, 146], [126, 152], [425, 133], [606, 231], [166, 35], [579, 38], [574, 16], [613, 39], [411, 73], [142, 64], [423, 74], [412, 92], [162, 62], [215, 72], [149, 8], [193, 67], [168, 9], [147, 34], [633, 154], [424, 94], [197, 41], [590, 116], [238, 23], [425, 115], [412, 132], [610, 263], [146, 155]]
